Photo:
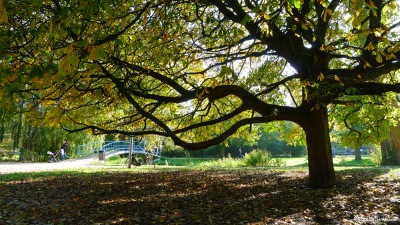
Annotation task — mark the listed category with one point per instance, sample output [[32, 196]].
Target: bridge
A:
[[107, 149]]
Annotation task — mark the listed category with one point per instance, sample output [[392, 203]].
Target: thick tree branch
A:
[[372, 88]]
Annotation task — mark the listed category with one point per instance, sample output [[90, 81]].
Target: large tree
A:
[[199, 71]]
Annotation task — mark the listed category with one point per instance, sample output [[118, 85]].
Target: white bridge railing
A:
[[110, 148]]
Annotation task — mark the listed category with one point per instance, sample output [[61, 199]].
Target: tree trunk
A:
[[357, 153], [221, 151], [320, 162]]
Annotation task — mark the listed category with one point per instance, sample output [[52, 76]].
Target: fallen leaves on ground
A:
[[201, 197]]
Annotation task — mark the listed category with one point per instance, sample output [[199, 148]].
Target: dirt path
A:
[[15, 167]]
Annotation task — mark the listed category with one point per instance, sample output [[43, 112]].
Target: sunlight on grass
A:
[[295, 161], [117, 164], [338, 161]]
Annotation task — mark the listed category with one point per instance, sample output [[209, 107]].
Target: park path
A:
[[17, 167]]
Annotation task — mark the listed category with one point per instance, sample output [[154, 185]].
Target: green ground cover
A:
[[286, 161]]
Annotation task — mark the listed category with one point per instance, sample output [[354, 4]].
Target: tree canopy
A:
[[200, 71]]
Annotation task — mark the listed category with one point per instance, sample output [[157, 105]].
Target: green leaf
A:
[[74, 60], [379, 57], [246, 19], [36, 71], [356, 22], [97, 54], [297, 4], [81, 43], [225, 71]]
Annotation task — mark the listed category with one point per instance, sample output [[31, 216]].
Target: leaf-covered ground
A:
[[362, 196]]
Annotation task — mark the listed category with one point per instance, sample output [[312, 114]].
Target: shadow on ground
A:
[[200, 197]]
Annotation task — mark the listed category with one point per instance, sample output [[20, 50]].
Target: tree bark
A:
[[221, 151], [357, 153], [320, 162]]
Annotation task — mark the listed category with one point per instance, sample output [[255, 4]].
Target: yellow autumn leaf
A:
[[349, 37], [96, 53], [356, 22], [337, 78], [3, 13], [369, 47], [214, 83], [320, 77], [92, 53], [367, 65], [200, 95], [378, 32], [378, 57], [68, 49], [326, 13]]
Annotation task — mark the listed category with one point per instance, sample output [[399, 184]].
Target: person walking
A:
[[64, 150]]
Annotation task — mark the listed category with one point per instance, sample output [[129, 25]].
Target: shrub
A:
[[376, 156], [222, 163], [261, 158]]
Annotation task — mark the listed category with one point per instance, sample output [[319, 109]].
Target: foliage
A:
[[31, 142], [261, 158], [9, 157], [277, 145], [376, 156], [87, 59], [176, 152], [292, 134], [222, 163], [353, 125]]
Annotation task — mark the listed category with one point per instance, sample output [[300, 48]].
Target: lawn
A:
[[337, 161], [287, 161]]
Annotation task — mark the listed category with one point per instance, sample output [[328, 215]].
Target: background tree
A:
[[32, 139], [390, 148], [198, 72]]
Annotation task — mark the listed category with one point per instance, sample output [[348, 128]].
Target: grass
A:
[[81, 172], [286, 162], [184, 161], [338, 161], [293, 164], [350, 161], [117, 164]]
